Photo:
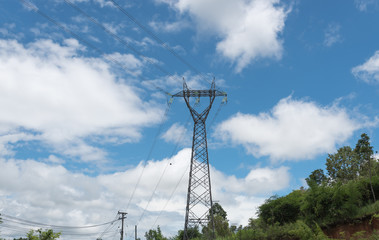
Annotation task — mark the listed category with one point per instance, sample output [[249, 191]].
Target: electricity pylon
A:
[[199, 196]]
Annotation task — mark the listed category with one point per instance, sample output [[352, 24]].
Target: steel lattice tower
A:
[[199, 196]]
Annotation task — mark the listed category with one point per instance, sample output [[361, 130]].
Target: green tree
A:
[[218, 211], [363, 150], [343, 165], [316, 177], [153, 234], [221, 223], [42, 235], [192, 233]]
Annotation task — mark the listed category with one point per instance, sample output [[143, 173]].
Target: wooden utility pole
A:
[[122, 224]]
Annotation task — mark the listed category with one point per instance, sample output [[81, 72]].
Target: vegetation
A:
[[41, 235], [153, 234], [345, 193]]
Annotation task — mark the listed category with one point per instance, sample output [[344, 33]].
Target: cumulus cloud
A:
[[368, 71], [54, 195], [249, 30], [49, 91], [292, 130]]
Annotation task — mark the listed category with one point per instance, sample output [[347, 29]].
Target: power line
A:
[[23, 221], [149, 153], [164, 171], [110, 58], [24, 229], [160, 41], [115, 61], [35, 9], [172, 194], [19, 225], [108, 227], [125, 43]]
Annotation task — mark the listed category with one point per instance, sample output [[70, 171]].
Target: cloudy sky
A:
[[85, 130]]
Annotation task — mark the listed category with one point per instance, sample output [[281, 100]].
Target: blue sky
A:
[[82, 119]]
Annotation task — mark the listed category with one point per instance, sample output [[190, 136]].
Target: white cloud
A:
[[133, 64], [177, 134], [292, 130], [249, 30], [54, 195], [51, 92], [363, 4], [368, 71], [8, 31], [169, 26], [332, 34]]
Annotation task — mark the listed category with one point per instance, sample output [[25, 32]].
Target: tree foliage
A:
[[218, 211], [316, 177], [364, 152], [343, 166], [281, 210], [221, 223], [192, 233], [350, 185], [41, 235], [153, 234]]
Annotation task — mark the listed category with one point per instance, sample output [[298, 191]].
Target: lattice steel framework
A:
[[199, 196]]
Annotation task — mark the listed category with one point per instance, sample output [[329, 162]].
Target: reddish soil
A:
[[359, 229]]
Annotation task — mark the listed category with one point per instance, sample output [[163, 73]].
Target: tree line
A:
[[344, 193]]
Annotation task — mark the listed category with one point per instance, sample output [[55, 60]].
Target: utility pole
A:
[[135, 232], [199, 195], [122, 223]]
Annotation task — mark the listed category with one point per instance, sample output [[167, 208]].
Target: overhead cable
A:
[[88, 44], [149, 153], [156, 38], [5, 216], [125, 43], [164, 171]]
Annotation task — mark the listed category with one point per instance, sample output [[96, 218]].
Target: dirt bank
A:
[[360, 228]]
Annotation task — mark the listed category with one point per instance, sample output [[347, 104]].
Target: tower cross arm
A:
[[200, 93]]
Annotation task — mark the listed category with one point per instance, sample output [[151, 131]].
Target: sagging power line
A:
[[17, 226], [199, 128], [159, 40], [98, 50]]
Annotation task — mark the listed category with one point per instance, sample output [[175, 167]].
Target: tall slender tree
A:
[[364, 151]]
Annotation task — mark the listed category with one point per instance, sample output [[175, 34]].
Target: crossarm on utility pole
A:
[[122, 223]]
